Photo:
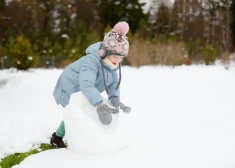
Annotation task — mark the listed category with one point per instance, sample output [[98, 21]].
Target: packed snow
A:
[[86, 134], [181, 118]]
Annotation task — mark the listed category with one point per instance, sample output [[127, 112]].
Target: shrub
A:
[[21, 49], [144, 53], [194, 50], [209, 54]]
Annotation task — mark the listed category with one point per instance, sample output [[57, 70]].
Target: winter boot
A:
[[57, 142]]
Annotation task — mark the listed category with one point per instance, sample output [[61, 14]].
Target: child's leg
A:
[[61, 130], [57, 138]]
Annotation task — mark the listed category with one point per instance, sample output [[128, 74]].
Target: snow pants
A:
[[61, 130]]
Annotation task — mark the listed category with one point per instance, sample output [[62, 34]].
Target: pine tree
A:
[[162, 23], [110, 12], [232, 26], [2, 5], [21, 49]]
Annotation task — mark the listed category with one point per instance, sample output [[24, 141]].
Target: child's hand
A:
[[117, 104], [104, 113]]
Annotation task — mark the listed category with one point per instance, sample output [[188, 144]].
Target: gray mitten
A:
[[104, 113], [117, 104]]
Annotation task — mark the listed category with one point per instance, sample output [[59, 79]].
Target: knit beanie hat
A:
[[115, 41]]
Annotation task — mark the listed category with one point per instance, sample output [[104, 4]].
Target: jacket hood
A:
[[94, 49]]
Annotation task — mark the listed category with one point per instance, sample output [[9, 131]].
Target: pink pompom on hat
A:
[[115, 41]]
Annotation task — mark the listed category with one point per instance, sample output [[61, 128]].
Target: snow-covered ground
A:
[[181, 118]]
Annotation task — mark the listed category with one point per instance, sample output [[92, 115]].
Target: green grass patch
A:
[[16, 158]]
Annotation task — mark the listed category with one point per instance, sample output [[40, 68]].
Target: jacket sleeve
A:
[[88, 74], [112, 90]]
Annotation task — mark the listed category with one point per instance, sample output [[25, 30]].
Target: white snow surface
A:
[[181, 118]]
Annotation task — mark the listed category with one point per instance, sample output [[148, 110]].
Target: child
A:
[[92, 74]]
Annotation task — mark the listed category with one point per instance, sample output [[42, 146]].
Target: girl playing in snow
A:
[[92, 74]]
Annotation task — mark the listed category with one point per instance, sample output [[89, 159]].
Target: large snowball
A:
[[86, 134]]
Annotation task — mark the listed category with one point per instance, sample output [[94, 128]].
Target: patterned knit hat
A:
[[115, 41]]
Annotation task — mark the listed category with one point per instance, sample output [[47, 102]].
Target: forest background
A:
[[54, 33]]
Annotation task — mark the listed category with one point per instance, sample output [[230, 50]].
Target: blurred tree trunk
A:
[[178, 15], [216, 16], [162, 24], [21, 21], [3, 22], [232, 25]]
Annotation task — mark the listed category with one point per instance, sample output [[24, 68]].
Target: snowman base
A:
[[86, 134]]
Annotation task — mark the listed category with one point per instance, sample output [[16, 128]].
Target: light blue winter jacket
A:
[[85, 75]]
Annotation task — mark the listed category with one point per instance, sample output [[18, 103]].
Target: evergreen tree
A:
[[2, 5], [21, 49], [110, 12], [162, 23], [86, 11], [232, 8], [3, 22]]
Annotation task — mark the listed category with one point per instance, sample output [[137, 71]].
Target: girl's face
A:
[[115, 59]]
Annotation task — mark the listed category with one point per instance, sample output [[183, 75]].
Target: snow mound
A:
[[87, 135]]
